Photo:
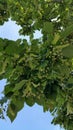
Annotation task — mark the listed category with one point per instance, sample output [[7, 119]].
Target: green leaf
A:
[[56, 38], [8, 89], [48, 27], [19, 85], [35, 85], [12, 48], [68, 51], [18, 102], [67, 31], [1, 45], [70, 80], [11, 113], [69, 108], [3, 66], [30, 101]]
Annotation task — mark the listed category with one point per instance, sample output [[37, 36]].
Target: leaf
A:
[[11, 113], [30, 101], [68, 51], [61, 46], [56, 38], [35, 85], [8, 89], [70, 80], [18, 102], [48, 27], [3, 67], [19, 85], [1, 45], [69, 108], [12, 48], [67, 31]]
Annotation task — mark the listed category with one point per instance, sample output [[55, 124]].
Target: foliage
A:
[[4, 13], [40, 71]]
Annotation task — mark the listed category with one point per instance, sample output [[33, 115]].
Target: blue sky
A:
[[29, 118]]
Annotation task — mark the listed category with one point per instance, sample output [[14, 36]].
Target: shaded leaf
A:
[[68, 51], [67, 31], [48, 27]]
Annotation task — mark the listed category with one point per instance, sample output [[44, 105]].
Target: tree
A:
[[4, 13], [40, 72]]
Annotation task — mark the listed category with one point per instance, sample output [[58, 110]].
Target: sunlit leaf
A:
[[56, 38], [19, 85]]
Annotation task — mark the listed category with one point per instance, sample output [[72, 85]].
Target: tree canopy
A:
[[40, 71]]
